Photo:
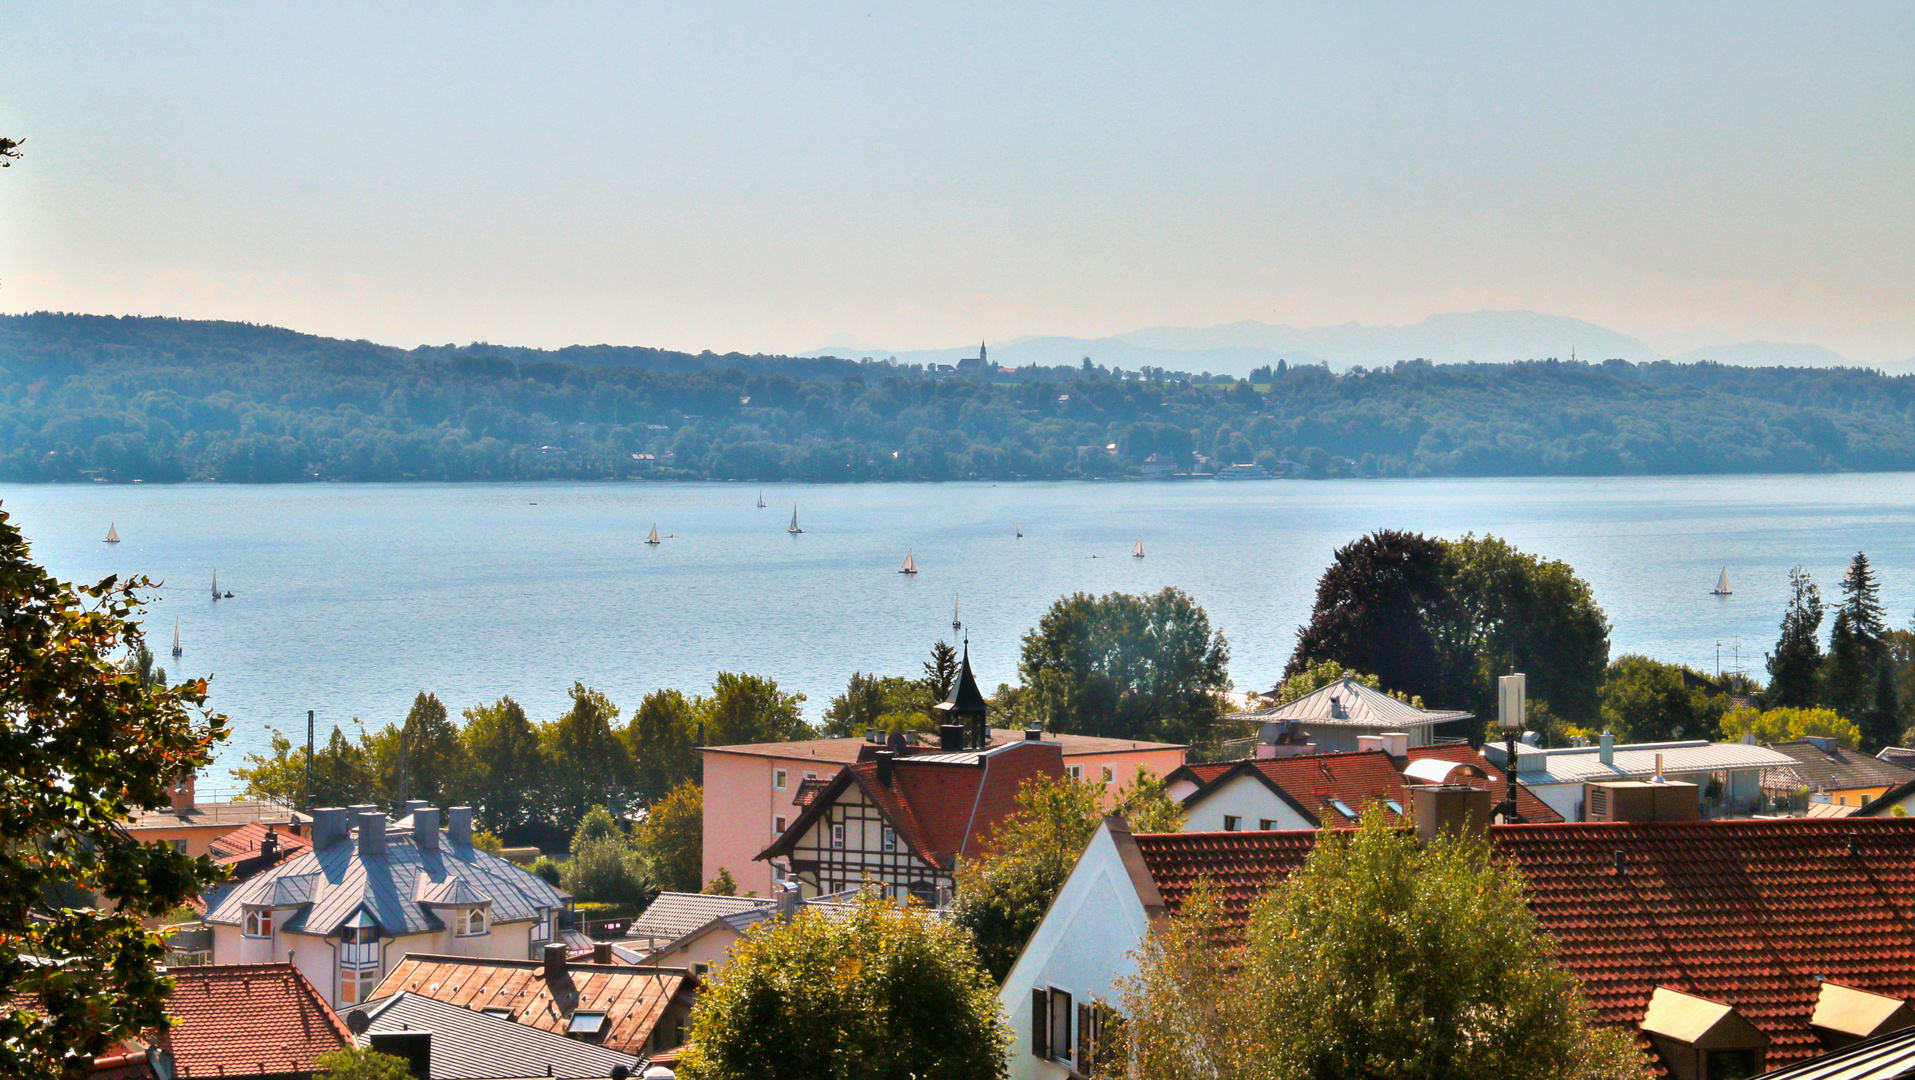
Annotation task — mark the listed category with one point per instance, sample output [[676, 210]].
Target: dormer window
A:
[[471, 922], [258, 922]]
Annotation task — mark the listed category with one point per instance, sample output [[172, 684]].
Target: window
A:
[[258, 923], [1395, 807], [1231, 822], [701, 970], [1076, 771], [586, 1025], [1730, 1065], [890, 839], [471, 922], [178, 846], [837, 836], [1061, 1015], [777, 825], [355, 984], [1266, 824], [778, 779], [809, 775], [1109, 774], [542, 926], [502, 1014], [1343, 808]]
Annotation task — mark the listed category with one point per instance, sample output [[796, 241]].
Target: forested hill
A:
[[93, 397]]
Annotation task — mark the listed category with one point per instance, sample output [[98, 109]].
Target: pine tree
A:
[[1853, 672], [1798, 653], [941, 671]]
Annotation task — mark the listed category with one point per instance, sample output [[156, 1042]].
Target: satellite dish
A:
[[620, 1072], [357, 1021]]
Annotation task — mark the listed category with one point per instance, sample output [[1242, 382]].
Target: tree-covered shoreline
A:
[[166, 400]]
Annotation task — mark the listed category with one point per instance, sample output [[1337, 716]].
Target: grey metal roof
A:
[[1580, 764], [469, 1045], [1885, 1057], [1835, 769], [675, 914], [1350, 704], [339, 881]]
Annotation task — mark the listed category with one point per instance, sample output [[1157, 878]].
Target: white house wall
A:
[[1249, 800], [1085, 944]]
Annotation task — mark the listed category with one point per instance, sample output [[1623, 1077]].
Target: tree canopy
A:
[[883, 990], [1646, 700], [1379, 957], [1139, 667], [88, 745]]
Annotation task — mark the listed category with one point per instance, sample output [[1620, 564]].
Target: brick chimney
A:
[[602, 953], [554, 954], [180, 794]]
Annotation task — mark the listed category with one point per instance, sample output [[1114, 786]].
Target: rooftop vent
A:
[[1448, 808], [1639, 800]]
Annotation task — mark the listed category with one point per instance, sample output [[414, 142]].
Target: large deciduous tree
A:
[[663, 738], [505, 773], [589, 763], [88, 745], [1646, 700], [1137, 667], [751, 709], [879, 991], [1796, 663], [672, 838], [889, 703], [1379, 957], [1383, 606]]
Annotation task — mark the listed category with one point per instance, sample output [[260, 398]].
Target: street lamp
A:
[[1511, 699]]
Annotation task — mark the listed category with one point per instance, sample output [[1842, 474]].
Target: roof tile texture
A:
[[233, 1019], [1749, 913], [632, 998]]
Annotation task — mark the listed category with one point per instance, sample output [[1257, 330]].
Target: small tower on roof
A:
[[964, 709]]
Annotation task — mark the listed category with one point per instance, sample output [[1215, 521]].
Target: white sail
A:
[[112, 534], [653, 538], [176, 635], [955, 623], [910, 564], [761, 499], [793, 528], [1722, 583], [1020, 528], [216, 584], [1138, 551]]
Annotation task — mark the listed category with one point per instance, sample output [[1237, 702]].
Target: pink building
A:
[[752, 791]]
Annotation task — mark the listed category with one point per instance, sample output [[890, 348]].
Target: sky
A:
[[772, 177]]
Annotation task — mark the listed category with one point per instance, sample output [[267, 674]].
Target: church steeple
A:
[[981, 354], [965, 706]]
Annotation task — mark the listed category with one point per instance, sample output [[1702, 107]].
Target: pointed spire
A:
[[965, 697]]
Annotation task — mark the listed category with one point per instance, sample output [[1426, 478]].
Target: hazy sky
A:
[[773, 176]]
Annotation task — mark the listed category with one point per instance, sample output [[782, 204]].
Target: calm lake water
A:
[[352, 598]]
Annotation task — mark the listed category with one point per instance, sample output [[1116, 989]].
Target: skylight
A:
[[1343, 808], [586, 1023], [503, 1014], [1395, 807]]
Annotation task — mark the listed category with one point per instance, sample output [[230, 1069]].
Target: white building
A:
[[1557, 776], [372, 891], [1330, 720]]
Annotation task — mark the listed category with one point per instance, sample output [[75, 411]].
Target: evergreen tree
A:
[[1797, 660], [1856, 667], [941, 671]]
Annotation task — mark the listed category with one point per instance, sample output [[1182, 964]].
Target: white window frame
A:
[[777, 825], [890, 837], [357, 982], [258, 923], [778, 779], [837, 835], [1110, 774], [809, 775], [468, 918], [1076, 771], [1232, 823]]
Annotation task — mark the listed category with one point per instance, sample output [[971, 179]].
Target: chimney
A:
[[1606, 749], [1396, 743], [789, 894], [269, 845], [1032, 734], [1448, 808], [425, 828], [360, 808], [602, 953], [414, 804], [871, 735], [459, 825], [950, 736], [555, 961], [331, 824], [1369, 742], [179, 795], [885, 759], [372, 833]]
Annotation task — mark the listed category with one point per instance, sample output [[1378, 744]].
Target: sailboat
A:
[[216, 584], [761, 498], [1020, 530], [112, 534], [1722, 585], [176, 635], [1138, 551], [955, 623], [653, 538], [793, 528], [910, 564]]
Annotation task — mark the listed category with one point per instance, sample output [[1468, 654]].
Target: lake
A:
[[349, 599]]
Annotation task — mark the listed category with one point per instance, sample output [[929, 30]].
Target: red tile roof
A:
[[634, 999], [1534, 811], [243, 843], [245, 1019], [1749, 913]]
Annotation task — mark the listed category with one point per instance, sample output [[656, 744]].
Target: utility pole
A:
[[309, 761], [1511, 695]]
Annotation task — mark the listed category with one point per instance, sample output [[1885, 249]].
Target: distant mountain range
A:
[[1460, 337]]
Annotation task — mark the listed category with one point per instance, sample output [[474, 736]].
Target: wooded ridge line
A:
[[164, 400]]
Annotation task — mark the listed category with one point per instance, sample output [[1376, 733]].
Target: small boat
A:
[[793, 528], [1020, 530], [216, 584], [229, 594], [176, 635], [1722, 585], [910, 564], [653, 538], [761, 498], [956, 624], [112, 534], [1138, 551]]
